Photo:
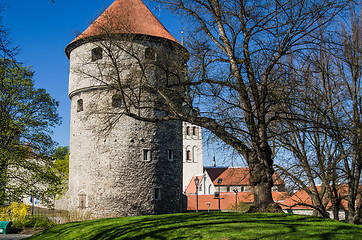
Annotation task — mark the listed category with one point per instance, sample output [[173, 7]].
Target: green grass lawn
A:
[[205, 226]]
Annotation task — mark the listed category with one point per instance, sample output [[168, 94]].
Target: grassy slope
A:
[[205, 226]]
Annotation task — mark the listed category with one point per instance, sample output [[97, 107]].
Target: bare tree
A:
[[233, 87], [349, 63], [326, 138]]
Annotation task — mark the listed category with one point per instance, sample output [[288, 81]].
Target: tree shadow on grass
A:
[[204, 226]]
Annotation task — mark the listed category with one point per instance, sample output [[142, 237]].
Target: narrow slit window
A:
[[146, 156], [188, 130], [170, 155], [80, 105], [116, 101], [97, 54], [157, 194]]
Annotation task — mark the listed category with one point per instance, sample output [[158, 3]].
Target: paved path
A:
[[13, 236]]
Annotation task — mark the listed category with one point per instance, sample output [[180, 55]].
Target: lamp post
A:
[[219, 181], [197, 181], [236, 198]]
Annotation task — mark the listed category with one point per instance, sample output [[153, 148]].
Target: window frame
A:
[[146, 155]]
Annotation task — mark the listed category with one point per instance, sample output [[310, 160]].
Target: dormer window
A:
[[150, 54], [96, 54]]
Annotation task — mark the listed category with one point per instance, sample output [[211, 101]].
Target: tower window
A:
[[157, 194], [116, 100], [82, 200], [194, 130], [150, 54], [96, 54], [146, 156], [188, 130], [80, 105], [188, 155], [170, 155]]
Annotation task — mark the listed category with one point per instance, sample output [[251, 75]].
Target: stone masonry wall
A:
[[108, 175]]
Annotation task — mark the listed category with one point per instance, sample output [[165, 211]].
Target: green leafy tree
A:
[[61, 156], [27, 116]]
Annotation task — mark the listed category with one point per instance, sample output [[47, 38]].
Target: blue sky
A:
[[42, 31]]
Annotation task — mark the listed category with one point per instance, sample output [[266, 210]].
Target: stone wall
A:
[[119, 166]]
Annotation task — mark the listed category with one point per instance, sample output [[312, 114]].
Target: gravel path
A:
[[13, 236]]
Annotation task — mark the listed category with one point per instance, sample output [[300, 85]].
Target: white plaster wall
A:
[[192, 142]]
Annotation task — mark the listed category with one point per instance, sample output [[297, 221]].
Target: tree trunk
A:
[[261, 180]]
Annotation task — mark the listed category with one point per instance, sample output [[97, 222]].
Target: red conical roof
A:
[[126, 16]]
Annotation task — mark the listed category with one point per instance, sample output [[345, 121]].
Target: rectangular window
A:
[[150, 54], [157, 194], [80, 105], [146, 155], [96, 54]]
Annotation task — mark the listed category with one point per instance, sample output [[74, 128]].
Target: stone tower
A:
[[133, 167]]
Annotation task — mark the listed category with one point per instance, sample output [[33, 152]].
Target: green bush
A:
[[34, 222]]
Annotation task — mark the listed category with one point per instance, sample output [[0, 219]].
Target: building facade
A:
[[192, 152]]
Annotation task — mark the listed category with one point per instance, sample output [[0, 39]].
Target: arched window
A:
[[194, 131], [188, 131], [188, 155], [96, 54], [82, 200], [80, 105], [116, 100]]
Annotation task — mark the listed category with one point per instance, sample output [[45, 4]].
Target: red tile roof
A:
[[302, 197], [191, 188], [234, 176], [126, 16], [226, 202]]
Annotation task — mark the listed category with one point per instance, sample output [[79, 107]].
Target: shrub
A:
[[14, 212]]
